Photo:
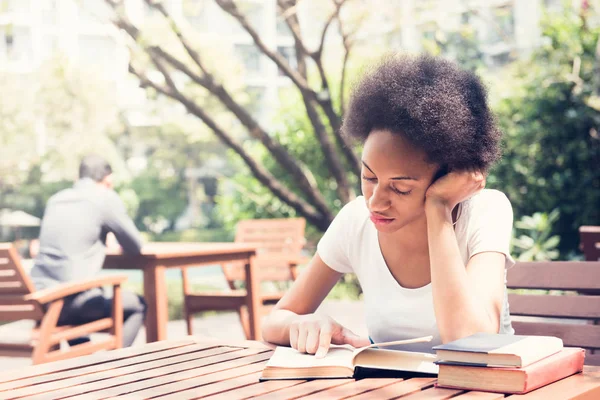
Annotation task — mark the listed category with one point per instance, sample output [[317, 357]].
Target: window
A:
[[256, 99], [93, 11], [195, 11], [50, 12], [98, 51], [14, 6], [250, 56], [16, 43], [289, 53], [283, 30], [501, 59], [503, 26]]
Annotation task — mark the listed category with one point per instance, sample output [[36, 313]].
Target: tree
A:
[[551, 117], [48, 120], [175, 66]]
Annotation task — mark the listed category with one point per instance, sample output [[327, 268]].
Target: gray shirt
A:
[[73, 234]]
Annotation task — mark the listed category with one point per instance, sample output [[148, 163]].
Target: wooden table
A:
[[197, 367], [157, 257]]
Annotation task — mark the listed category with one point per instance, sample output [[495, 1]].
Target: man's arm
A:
[[118, 222]]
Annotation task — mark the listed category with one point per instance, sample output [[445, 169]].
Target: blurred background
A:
[[213, 111]]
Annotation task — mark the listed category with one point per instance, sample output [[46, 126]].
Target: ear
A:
[[107, 182]]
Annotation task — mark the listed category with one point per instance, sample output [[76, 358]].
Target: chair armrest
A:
[[60, 291]]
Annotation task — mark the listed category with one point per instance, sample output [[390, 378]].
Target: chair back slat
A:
[[559, 275], [582, 307], [13, 278], [590, 242], [577, 335], [284, 235], [278, 241], [572, 314], [15, 307]]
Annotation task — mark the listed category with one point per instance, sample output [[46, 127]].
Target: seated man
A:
[[72, 247]]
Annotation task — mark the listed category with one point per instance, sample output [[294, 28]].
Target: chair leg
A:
[[188, 319], [245, 320], [188, 315], [47, 326], [117, 316]]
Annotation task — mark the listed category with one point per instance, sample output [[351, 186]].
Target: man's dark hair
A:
[[437, 106], [94, 167]]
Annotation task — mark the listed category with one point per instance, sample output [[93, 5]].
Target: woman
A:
[[429, 246]]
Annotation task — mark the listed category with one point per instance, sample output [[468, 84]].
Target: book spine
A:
[[571, 364]]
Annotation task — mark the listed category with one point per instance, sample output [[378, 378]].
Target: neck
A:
[[411, 237]]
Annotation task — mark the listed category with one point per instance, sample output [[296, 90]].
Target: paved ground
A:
[[222, 326]]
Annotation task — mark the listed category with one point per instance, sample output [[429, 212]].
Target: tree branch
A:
[[324, 96], [309, 96], [287, 10], [157, 5], [207, 81], [261, 173], [230, 8]]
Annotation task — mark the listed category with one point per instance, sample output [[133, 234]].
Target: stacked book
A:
[[505, 363]]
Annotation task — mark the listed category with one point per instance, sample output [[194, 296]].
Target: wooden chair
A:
[[280, 242], [572, 277], [590, 242], [19, 300]]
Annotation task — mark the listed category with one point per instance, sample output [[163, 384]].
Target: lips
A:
[[380, 220]]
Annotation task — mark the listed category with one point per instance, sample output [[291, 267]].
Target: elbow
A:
[[132, 245], [267, 331]]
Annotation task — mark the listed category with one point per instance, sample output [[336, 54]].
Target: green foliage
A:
[[248, 198], [195, 235], [536, 242], [461, 46], [552, 150]]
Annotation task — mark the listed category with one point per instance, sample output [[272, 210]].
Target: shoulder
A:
[[488, 200], [354, 212], [65, 194], [349, 221]]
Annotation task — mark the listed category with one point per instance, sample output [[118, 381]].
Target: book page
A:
[[395, 360], [286, 357]]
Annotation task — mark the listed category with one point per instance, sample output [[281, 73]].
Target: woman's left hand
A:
[[455, 187]]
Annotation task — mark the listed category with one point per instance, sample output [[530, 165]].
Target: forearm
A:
[[276, 327], [457, 309]]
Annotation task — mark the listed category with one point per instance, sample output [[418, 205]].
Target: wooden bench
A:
[[590, 242], [279, 243], [579, 299], [19, 300]]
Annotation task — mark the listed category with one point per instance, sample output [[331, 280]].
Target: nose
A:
[[380, 199]]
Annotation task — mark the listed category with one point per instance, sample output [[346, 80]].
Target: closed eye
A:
[[366, 178], [400, 192]]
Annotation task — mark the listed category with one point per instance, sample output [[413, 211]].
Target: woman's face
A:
[[395, 177]]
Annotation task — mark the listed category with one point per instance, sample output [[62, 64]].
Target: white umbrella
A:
[[18, 218]]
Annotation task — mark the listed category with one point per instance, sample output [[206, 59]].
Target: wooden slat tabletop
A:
[[206, 368]]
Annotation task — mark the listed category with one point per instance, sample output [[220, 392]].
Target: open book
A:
[[348, 362]]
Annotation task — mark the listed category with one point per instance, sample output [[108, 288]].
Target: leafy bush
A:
[[536, 244]]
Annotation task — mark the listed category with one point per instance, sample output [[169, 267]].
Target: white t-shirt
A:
[[393, 312]]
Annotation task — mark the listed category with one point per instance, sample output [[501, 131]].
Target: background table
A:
[[203, 368], [157, 257]]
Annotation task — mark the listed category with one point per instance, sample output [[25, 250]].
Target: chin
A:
[[388, 228]]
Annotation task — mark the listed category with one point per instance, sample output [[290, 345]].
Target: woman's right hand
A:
[[313, 334]]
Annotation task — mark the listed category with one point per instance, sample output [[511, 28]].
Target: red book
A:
[[566, 362]]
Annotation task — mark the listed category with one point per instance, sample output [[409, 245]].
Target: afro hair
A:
[[437, 106]]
